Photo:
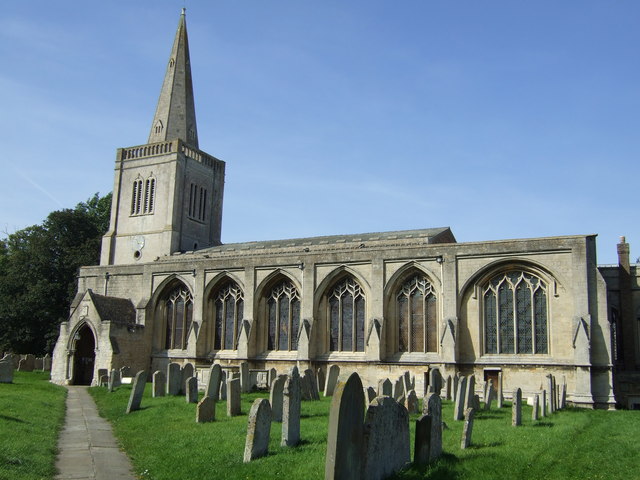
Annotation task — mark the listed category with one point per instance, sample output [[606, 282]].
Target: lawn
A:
[[31, 416], [165, 443]]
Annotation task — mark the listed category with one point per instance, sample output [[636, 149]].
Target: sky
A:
[[499, 119]]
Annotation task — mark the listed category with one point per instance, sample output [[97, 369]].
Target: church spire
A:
[[176, 114]]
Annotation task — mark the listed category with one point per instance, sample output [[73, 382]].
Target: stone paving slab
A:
[[87, 448]]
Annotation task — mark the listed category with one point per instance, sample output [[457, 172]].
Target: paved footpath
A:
[[87, 448]]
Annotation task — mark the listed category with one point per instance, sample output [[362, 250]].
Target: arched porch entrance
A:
[[85, 356]]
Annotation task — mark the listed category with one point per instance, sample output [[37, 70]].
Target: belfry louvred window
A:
[[416, 309], [515, 314], [178, 316], [143, 196], [283, 311], [228, 305], [346, 317]]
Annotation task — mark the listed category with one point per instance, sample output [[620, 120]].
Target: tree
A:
[[38, 273]]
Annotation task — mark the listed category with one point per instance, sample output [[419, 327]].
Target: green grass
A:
[[165, 443], [31, 416]]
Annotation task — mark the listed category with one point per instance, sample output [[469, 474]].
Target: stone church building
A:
[[168, 290]]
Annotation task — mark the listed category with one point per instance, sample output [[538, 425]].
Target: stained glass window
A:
[[346, 317], [416, 308], [178, 316], [283, 308], [229, 309], [515, 314]]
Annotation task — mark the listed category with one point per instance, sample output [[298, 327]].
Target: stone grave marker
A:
[[187, 372], [273, 374], [276, 397], [233, 397], [332, 379], [114, 380], [458, 410], [46, 364], [534, 410], [516, 408], [104, 381], [125, 371], [563, 394], [344, 439], [136, 391], [433, 408], [488, 399], [447, 391], [245, 383], [385, 440], [422, 441], [291, 409], [213, 384], [6, 370], [385, 388], [435, 380], [174, 379], [500, 394], [543, 404], [398, 389], [456, 381], [468, 428], [159, 384], [223, 386], [471, 391], [191, 390], [320, 377], [411, 402], [305, 390], [369, 394], [258, 430], [206, 410]]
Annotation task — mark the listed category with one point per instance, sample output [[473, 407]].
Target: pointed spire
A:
[[176, 114]]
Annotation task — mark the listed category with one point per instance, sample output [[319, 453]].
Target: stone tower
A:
[[167, 194]]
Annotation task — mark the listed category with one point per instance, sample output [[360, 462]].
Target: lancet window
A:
[[417, 312], [197, 208], [283, 308], [143, 195], [346, 316], [515, 314], [228, 312], [178, 316]]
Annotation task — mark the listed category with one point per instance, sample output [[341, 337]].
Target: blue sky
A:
[[500, 119]]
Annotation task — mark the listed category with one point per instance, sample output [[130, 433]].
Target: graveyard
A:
[[164, 440]]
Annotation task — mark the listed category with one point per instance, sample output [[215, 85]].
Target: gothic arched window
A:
[[417, 314], [515, 314], [228, 312], [283, 311], [178, 316], [136, 197], [346, 307]]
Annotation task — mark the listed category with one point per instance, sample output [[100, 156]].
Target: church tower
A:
[[167, 194]]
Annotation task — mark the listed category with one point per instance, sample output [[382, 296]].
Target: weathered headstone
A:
[[370, 394], [276, 397], [46, 363], [291, 410], [554, 401], [213, 384], [38, 364], [136, 391], [305, 387], [233, 397], [385, 388], [406, 380], [458, 409], [206, 410], [563, 394], [114, 380], [500, 394], [103, 372], [273, 374], [543, 404], [104, 381], [332, 379], [174, 379], [6, 370], [433, 408], [534, 410], [550, 392], [125, 371], [245, 381], [385, 441], [516, 408], [320, 377], [223, 386], [191, 390], [258, 430], [468, 428], [345, 433], [447, 392], [456, 381], [187, 373], [471, 391], [398, 389], [27, 364], [489, 396], [425, 383], [422, 441], [435, 380], [411, 402], [159, 384], [476, 403]]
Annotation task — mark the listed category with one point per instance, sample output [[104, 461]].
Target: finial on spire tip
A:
[[184, 10]]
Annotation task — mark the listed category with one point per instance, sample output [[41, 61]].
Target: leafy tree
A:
[[38, 273]]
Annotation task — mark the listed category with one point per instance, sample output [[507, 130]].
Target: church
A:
[[168, 290]]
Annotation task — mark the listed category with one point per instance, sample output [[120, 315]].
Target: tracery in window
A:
[[228, 312], [178, 314], [416, 309], [515, 314], [283, 311], [346, 307]]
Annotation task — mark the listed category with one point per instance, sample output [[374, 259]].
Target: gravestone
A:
[[276, 397], [27, 363], [114, 380], [385, 440], [103, 372], [543, 404], [206, 410], [344, 439], [406, 381], [468, 428], [563, 394], [46, 363], [516, 408], [159, 384], [433, 408], [554, 397], [313, 384], [273, 374], [398, 389], [104, 381], [370, 394], [223, 386], [550, 392], [458, 409], [125, 371], [500, 394], [245, 383], [320, 379], [476, 403], [425, 383], [332, 379], [6, 370], [291, 410], [385, 388], [411, 402], [258, 430], [213, 385], [422, 441], [191, 390], [490, 394], [305, 388], [456, 381], [435, 380], [447, 391], [534, 410], [471, 391], [187, 373], [233, 397], [136, 391], [174, 379], [38, 364]]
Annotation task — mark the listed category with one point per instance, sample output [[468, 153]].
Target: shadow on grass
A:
[[441, 469], [12, 419], [477, 446], [544, 424]]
